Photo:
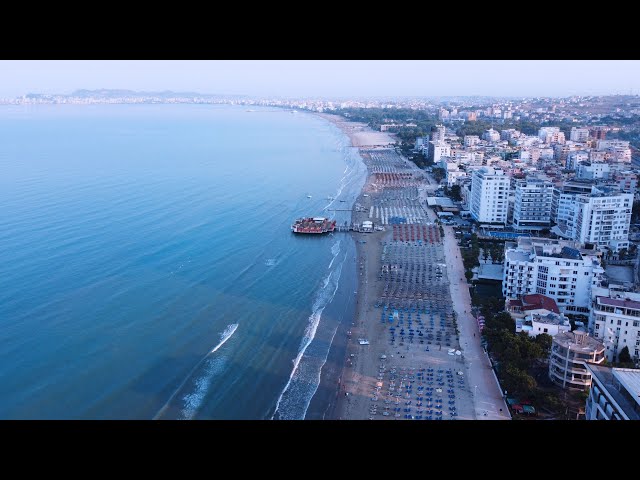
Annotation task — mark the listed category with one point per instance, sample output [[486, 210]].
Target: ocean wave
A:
[[190, 400], [296, 395]]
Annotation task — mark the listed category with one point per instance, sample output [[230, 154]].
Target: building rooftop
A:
[[550, 318], [578, 342], [618, 302], [536, 301], [517, 256], [612, 379]]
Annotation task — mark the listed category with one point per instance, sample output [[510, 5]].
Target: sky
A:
[[327, 78]]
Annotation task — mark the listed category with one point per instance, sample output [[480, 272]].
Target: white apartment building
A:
[[575, 157], [491, 135], [453, 176], [592, 171], [614, 394], [509, 134], [555, 268], [532, 207], [551, 135], [615, 319], [604, 144], [437, 150], [570, 354], [546, 153], [536, 323], [471, 140], [579, 134], [603, 218], [626, 180], [489, 195]]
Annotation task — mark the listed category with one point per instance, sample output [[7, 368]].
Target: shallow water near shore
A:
[[149, 270]]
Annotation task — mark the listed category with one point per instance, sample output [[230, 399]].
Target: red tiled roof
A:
[[535, 301]]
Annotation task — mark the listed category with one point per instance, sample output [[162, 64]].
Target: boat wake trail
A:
[[194, 400], [305, 376]]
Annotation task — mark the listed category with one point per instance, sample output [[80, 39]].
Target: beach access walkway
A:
[[488, 400]]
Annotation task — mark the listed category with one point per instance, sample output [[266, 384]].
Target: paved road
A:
[[488, 399]]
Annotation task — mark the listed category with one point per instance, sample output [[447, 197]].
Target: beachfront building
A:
[[489, 195], [579, 134], [532, 206], [614, 394], [570, 352], [556, 268], [615, 319]]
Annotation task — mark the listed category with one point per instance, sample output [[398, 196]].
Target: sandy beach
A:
[[398, 374]]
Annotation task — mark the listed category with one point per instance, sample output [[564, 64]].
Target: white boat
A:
[[330, 198], [308, 196], [363, 341]]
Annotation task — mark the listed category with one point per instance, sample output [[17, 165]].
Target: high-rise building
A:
[[489, 195], [556, 268], [603, 218], [598, 215], [532, 207]]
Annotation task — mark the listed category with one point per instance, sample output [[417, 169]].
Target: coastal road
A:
[[488, 399]]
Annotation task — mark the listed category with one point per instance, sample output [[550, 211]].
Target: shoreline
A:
[[367, 369], [360, 136]]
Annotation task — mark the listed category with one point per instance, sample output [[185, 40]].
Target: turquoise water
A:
[[148, 267]]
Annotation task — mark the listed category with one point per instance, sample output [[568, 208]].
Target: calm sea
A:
[[148, 269]]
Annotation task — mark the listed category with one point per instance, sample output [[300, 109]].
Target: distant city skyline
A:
[[327, 78]]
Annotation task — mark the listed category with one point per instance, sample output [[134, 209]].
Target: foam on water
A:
[[194, 401], [298, 392]]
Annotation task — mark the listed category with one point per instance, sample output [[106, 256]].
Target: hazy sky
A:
[[327, 78]]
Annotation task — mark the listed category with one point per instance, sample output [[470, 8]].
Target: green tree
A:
[[454, 193], [438, 174], [624, 356], [544, 340], [468, 275], [518, 381]]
